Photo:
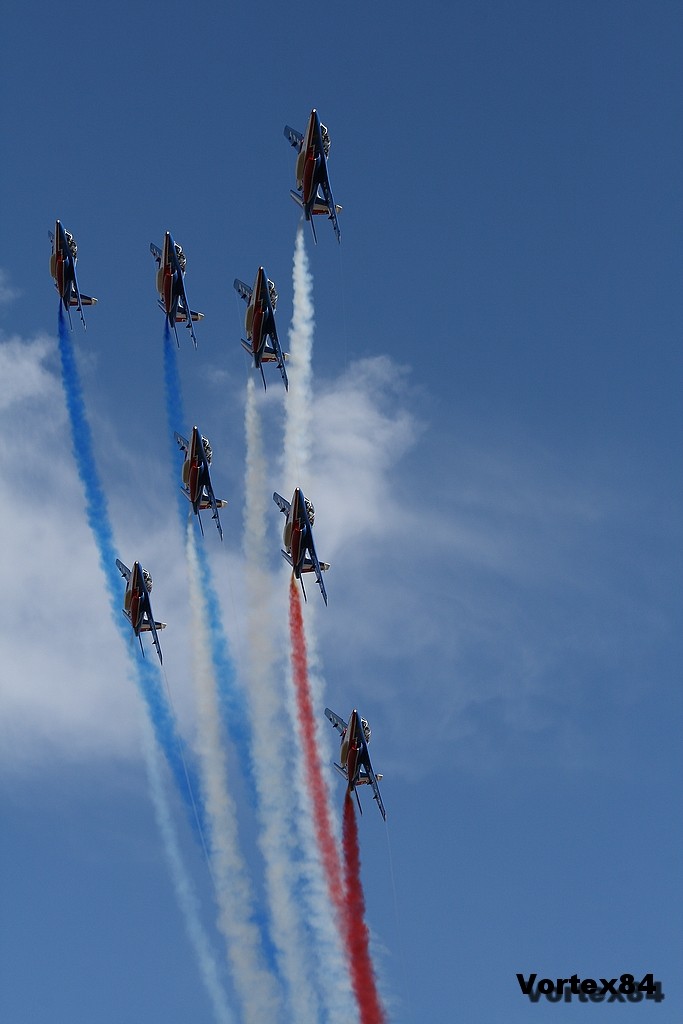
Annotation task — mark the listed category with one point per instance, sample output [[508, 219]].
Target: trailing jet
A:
[[63, 269], [299, 549], [259, 324], [355, 764], [197, 486], [313, 192], [171, 262], [136, 604]]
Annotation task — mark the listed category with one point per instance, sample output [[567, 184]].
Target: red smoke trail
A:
[[358, 939], [346, 894], [321, 811]]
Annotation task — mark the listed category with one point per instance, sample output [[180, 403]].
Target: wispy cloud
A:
[[485, 576], [7, 291]]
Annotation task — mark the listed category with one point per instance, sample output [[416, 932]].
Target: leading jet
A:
[[171, 262], [136, 604], [63, 270], [355, 764], [259, 324], [299, 549], [313, 192], [197, 486]]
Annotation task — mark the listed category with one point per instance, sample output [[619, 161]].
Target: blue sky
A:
[[495, 467]]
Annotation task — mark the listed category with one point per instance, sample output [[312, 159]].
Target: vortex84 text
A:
[[625, 988]]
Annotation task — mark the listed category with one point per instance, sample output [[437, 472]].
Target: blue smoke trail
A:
[[175, 414], [230, 694], [97, 512]]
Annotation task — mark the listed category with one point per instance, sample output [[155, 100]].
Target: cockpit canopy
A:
[[182, 258], [310, 510], [367, 731], [207, 449], [71, 242], [326, 139], [273, 294], [147, 577]]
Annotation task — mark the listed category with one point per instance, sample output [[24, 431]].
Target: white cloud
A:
[[7, 292], [471, 591]]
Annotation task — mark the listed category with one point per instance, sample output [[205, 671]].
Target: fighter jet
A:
[[197, 486], [63, 269], [171, 262], [259, 324], [136, 604], [299, 549], [354, 759], [313, 192]]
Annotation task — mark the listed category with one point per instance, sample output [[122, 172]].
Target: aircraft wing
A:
[[243, 290], [151, 625], [316, 565], [281, 503], [293, 137], [208, 487], [329, 200], [182, 442], [184, 305], [313, 561], [339, 724], [279, 355], [370, 775], [155, 638], [123, 569]]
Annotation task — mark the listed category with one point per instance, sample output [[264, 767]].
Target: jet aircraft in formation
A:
[[313, 192], [259, 324], [171, 262], [354, 759], [136, 604], [297, 537], [197, 486], [63, 269], [314, 195]]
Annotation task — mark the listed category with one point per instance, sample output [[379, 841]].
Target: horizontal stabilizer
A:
[[269, 355], [146, 628], [181, 315], [309, 566], [86, 300], [298, 198], [294, 137]]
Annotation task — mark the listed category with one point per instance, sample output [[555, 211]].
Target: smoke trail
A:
[[159, 715], [254, 984], [316, 782], [297, 457], [297, 446], [231, 695], [270, 751], [184, 890], [97, 513], [358, 938], [175, 415]]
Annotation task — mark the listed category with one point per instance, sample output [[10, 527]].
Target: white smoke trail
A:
[[298, 419], [184, 890], [298, 432], [271, 753], [254, 983]]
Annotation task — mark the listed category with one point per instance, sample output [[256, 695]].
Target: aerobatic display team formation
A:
[[266, 990]]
